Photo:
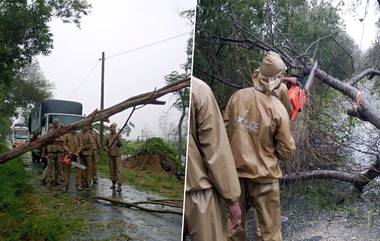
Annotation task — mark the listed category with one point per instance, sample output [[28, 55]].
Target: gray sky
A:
[[354, 27], [115, 26]]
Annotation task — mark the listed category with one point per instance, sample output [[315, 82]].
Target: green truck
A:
[[44, 113]]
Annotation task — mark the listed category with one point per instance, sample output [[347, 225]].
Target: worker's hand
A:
[[234, 215], [289, 80]]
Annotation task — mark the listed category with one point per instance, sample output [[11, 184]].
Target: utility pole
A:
[[102, 101]]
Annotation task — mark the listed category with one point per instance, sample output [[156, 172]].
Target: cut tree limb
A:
[[136, 205], [364, 109], [320, 174], [142, 99]]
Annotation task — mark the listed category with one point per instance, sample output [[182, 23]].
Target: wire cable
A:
[[126, 52], [148, 45], [85, 79]]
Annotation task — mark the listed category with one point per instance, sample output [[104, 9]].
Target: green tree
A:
[[182, 97], [290, 26], [24, 34]]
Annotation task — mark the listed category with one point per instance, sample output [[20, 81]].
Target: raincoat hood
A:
[[268, 77]]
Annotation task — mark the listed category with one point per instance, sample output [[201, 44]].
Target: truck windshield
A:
[[20, 134], [65, 119]]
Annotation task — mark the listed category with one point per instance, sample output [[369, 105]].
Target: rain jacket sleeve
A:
[[212, 141], [284, 142]]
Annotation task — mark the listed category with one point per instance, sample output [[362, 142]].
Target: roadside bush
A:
[[156, 146]]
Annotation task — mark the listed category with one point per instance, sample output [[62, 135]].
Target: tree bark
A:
[[364, 109], [183, 114], [142, 99], [320, 174]]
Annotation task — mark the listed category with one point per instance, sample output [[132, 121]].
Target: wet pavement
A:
[[139, 225], [357, 220], [109, 222]]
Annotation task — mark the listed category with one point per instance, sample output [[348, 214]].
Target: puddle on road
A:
[[109, 222]]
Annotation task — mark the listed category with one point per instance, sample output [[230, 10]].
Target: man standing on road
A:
[[72, 146], [95, 149], [258, 128], [113, 148], [86, 155], [54, 154], [211, 173]]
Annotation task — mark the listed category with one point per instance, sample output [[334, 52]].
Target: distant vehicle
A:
[[20, 135], [44, 113]]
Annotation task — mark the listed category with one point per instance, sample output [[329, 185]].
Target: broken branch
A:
[[135, 205], [142, 99], [368, 72]]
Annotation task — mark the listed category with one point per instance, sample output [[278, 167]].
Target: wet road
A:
[[109, 222]]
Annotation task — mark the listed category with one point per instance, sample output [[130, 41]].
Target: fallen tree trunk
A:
[[359, 181], [136, 205], [142, 99], [320, 174]]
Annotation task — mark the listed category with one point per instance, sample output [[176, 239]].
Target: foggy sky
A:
[[115, 26]]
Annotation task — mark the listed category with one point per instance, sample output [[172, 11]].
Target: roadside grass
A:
[[143, 180], [27, 214]]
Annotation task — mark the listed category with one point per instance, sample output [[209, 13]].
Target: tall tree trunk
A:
[[179, 148]]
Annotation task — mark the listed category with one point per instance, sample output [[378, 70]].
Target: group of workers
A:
[[79, 149], [233, 160]]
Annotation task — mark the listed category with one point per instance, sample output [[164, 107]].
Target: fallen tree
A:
[[359, 181], [102, 115], [361, 108]]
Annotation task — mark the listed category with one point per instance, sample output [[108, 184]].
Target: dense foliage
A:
[[326, 137], [24, 34], [286, 25]]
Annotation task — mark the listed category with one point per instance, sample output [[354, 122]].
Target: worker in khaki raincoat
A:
[[211, 173], [95, 148], [113, 148], [280, 91], [258, 128], [72, 145], [54, 154], [86, 155]]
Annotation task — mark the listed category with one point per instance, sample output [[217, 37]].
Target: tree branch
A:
[[320, 174], [363, 108], [229, 83], [368, 72], [137, 205], [142, 99], [358, 180]]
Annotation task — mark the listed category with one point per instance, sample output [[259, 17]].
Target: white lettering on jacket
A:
[[247, 124]]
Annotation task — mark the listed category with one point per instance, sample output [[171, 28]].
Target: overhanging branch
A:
[[142, 99], [368, 72]]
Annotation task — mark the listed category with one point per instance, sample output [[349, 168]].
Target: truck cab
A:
[[44, 113], [64, 119]]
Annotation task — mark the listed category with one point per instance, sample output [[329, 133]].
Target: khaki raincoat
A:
[[211, 173], [258, 127]]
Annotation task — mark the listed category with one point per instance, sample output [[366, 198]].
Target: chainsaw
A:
[[298, 93], [68, 159]]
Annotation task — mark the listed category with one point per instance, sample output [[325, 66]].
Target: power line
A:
[[84, 80], [148, 45], [126, 52]]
